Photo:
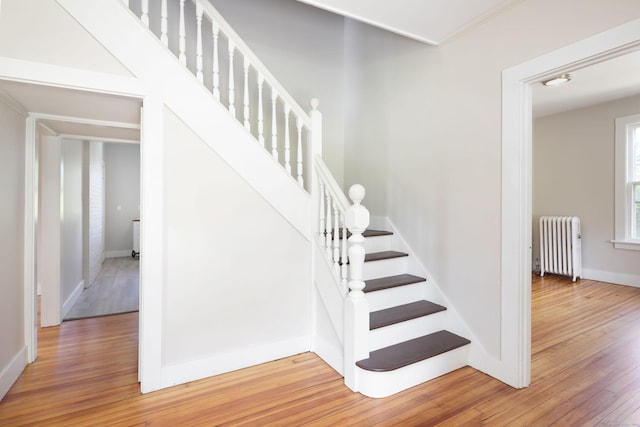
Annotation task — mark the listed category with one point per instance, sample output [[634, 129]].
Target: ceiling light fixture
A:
[[557, 80]]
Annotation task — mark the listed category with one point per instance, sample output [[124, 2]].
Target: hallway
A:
[[115, 290]]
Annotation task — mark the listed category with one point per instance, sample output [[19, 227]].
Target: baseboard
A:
[[611, 277], [118, 254], [331, 354], [73, 298], [231, 361], [12, 371]]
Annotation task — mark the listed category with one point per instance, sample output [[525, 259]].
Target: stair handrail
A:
[[291, 127]]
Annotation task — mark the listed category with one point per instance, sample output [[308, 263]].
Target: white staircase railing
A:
[[207, 45]]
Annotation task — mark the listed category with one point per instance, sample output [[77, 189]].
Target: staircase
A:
[[407, 342], [391, 327]]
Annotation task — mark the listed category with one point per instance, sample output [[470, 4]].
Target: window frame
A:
[[625, 127]]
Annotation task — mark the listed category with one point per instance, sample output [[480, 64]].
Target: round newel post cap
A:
[[315, 103], [356, 193]]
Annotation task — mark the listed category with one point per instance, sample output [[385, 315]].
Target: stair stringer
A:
[[476, 354], [140, 51]]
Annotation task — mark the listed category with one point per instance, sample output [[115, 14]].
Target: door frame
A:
[[517, 182]]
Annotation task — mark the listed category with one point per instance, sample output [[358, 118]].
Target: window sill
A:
[[626, 244]]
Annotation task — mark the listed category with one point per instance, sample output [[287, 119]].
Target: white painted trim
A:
[[12, 371], [13, 104], [73, 298], [612, 277], [118, 253], [98, 139], [152, 264], [29, 276], [331, 354], [517, 185], [231, 361], [85, 121]]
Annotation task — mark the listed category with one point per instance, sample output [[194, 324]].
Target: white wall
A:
[[236, 289], [303, 47], [122, 196], [94, 215], [435, 114], [12, 342], [574, 175], [71, 235]]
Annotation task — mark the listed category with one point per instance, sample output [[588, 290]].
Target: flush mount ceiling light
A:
[[557, 80]]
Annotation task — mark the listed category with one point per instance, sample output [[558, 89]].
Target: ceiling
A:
[[429, 21], [75, 113]]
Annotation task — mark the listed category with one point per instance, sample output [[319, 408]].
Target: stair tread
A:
[[366, 233], [402, 313], [378, 256], [391, 282], [412, 351]]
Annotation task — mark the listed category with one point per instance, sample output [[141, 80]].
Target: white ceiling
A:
[[429, 21], [77, 113]]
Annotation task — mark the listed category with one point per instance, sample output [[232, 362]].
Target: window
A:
[[627, 179]]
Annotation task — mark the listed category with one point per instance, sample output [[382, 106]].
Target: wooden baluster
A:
[[260, 110], [247, 123], [300, 177], [343, 243], [216, 62], [323, 236], [327, 228], [144, 5], [274, 124], [287, 140], [232, 85], [336, 238], [181, 36], [163, 23], [199, 74]]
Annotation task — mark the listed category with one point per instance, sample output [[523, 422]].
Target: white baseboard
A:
[[612, 277], [331, 354], [73, 298], [231, 361], [12, 371], [118, 254]]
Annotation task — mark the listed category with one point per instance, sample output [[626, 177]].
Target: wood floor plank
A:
[[585, 371]]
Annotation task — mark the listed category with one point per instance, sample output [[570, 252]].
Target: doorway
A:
[[517, 181]]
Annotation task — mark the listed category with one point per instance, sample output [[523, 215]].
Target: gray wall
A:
[[122, 196], [574, 175], [12, 125]]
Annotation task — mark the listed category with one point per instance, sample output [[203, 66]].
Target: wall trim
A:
[[12, 371], [231, 361], [612, 277], [73, 298]]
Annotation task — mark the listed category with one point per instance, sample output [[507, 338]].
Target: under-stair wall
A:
[[225, 204]]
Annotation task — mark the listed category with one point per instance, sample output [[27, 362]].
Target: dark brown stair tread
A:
[[401, 313], [378, 256], [391, 282], [367, 233], [412, 351]]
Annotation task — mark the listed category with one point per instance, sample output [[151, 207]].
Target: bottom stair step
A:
[[412, 351]]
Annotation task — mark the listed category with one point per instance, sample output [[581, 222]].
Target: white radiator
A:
[[560, 246]]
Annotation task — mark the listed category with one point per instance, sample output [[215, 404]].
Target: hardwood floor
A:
[[114, 291], [585, 371]]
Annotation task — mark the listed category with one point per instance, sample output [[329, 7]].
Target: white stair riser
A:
[[392, 297], [384, 268], [383, 384], [404, 331], [380, 243]]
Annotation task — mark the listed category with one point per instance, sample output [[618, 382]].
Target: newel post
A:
[[356, 316]]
